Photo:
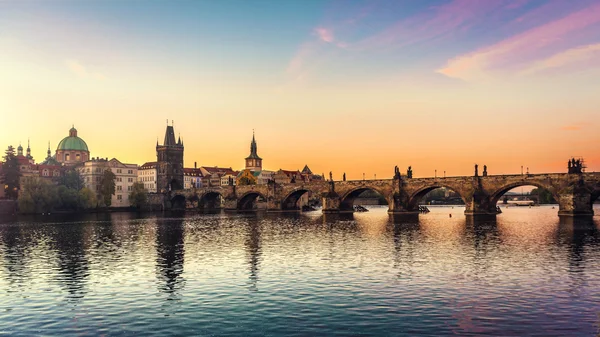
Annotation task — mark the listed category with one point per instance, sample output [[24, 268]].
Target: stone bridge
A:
[[575, 193]]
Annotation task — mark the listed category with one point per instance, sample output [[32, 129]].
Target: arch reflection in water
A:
[[170, 253]]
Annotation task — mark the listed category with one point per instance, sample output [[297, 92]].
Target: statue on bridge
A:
[[485, 170], [476, 170], [397, 172], [409, 172], [330, 176], [575, 166], [344, 176]]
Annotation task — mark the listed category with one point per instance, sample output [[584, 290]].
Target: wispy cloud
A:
[[530, 51], [78, 69], [575, 127], [429, 24], [324, 34]]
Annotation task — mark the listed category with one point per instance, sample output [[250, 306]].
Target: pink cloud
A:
[[574, 56], [524, 48], [324, 34]]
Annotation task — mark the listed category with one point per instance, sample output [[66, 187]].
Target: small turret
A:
[[28, 150]]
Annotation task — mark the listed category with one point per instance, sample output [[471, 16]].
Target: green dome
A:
[[72, 143]]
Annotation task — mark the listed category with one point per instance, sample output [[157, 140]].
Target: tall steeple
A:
[[20, 150], [49, 153], [253, 161]]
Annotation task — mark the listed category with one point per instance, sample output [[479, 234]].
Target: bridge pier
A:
[[399, 204], [575, 202], [331, 203]]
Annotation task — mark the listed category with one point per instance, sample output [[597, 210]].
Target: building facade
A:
[[125, 176], [169, 163], [192, 178], [146, 174]]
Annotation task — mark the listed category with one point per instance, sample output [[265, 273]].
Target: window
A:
[[119, 197], [56, 173], [67, 157], [88, 170], [118, 170], [119, 179], [129, 171], [45, 173], [97, 188], [130, 180], [97, 179], [77, 157], [129, 188], [119, 188], [87, 179]]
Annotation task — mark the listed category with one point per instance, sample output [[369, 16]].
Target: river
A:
[[527, 273]]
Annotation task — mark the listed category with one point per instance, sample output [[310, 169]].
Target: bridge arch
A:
[[347, 199], [247, 201], [210, 200], [290, 201], [178, 201], [417, 196], [496, 195]]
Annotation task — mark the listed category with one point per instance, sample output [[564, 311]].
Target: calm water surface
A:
[[527, 273]]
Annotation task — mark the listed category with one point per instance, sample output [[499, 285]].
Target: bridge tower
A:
[[253, 161], [169, 163]]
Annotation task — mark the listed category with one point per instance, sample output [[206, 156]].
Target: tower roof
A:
[[253, 149]]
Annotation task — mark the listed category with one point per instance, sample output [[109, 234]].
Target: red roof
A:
[[148, 165], [22, 160], [224, 170], [290, 173], [196, 172]]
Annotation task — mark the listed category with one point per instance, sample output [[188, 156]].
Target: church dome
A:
[[72, 142]]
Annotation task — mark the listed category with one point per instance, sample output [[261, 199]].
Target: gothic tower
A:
[[169, 163], [253, 161]]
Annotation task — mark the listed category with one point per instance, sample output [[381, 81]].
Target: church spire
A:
[[49, 153], [28, 149]]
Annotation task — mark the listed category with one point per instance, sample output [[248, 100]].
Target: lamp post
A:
[[363, 176], [435, 174], [444, 174], [521, 169]]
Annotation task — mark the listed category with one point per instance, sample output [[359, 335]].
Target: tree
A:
[[544, 196], [246, 181], [87, 198], [107, 187], [138, 196], [11, 173], [68, 198], [38, 196], [72, 179]]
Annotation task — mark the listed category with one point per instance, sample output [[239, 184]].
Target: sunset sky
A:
[[343, 86]]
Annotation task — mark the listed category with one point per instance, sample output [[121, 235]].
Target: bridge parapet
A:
[[574, 192]]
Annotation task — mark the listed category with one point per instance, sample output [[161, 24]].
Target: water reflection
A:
[[69, 241], [169, 255], [252, 245], [15, 249]]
